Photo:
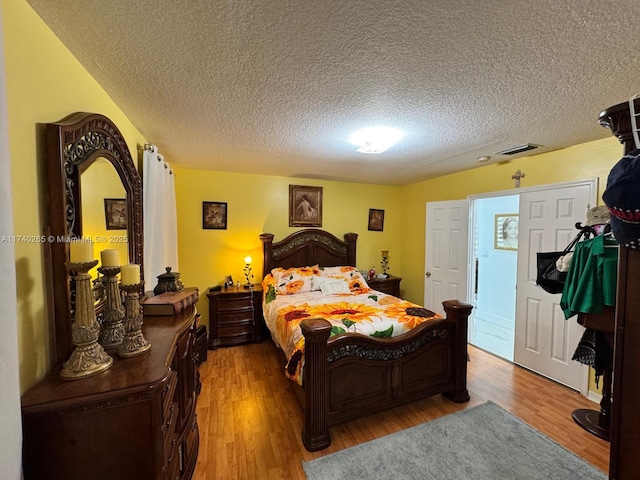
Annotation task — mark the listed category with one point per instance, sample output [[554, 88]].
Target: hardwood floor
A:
[[250, 419]]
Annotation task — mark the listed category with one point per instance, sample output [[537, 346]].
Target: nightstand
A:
[[390, 285], [235, 316]]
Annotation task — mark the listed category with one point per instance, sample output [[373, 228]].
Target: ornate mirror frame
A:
[[73, 144]]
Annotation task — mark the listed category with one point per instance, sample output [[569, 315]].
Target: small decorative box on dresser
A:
[[390, 285], [235, 316], [135, 421]]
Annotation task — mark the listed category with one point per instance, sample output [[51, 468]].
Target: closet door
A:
[[544, 340], [446, 253]]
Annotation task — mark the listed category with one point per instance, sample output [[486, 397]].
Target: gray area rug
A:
[[483, 442]]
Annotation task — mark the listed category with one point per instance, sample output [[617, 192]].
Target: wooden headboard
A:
[[310, 246]]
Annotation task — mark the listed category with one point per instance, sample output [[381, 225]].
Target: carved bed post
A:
[[459, 312], [351, 239], [267, 261], [315, 433]]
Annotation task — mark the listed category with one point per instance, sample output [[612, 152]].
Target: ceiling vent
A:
[[518, 149]]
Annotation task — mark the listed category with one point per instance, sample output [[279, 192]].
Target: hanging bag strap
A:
[[575, 240]]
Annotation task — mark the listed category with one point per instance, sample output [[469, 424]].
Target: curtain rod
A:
[[152, 148]]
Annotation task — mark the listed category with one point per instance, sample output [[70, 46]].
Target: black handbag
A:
[[549, 278]]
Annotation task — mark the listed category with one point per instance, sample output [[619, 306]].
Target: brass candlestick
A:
[[112, 331], [133, 342], [88, 356]]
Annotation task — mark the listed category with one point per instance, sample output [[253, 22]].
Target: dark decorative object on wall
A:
[[115, 213], [376, 220], [305, 206], [214, 215]]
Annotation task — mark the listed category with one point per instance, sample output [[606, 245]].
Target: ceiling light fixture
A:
[[375, 139], [483, 159]]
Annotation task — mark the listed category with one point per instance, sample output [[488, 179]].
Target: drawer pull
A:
[[167, 424]]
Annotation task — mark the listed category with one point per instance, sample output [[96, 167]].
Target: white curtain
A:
[[160, 219], [10, 424]]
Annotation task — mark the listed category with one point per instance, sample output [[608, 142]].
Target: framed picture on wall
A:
[[305, 206], [214, 215], [376, 220], [115, 213], [506, 231]]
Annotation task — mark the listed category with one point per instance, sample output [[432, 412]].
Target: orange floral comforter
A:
[[364, 311]]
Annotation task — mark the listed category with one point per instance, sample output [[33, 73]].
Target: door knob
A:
[[428, 274]]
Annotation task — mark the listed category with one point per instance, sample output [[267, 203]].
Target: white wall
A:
[[10, 425]]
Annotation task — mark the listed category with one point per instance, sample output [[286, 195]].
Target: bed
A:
[[349, 375]]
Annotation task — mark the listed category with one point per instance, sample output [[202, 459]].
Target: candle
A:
[[110, 258], [130, 274], [247, 259], [81, 251]]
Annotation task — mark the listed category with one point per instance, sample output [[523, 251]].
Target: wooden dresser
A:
[[235, 316], [134, 421], [390, 285]]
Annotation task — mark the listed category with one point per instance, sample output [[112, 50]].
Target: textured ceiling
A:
[[276, 86]]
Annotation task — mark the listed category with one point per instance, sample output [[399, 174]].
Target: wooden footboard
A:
[[349, 376]]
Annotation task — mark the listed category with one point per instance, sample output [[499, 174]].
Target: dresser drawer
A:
[[235, 330], [189, 445], [171, 468], [234, 303], [169, 427], [242, 316]]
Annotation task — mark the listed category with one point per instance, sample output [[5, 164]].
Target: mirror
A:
[[103, 206], [79, 148]]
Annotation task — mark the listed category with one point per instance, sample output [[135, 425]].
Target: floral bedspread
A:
[[364, 311]]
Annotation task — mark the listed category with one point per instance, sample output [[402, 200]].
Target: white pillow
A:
[[334, 287], [316, 282]]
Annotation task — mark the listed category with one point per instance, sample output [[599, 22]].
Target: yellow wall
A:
[[258, 204], [44, 84]]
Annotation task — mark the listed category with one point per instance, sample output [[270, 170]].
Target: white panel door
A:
[[544, 340], [447, 253]]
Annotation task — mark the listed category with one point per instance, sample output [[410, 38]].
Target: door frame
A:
[[591, 182]]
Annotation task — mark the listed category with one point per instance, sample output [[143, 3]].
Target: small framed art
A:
[[214, 215], [506, 231], [115, 213], [376, 220], [305, 206]]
